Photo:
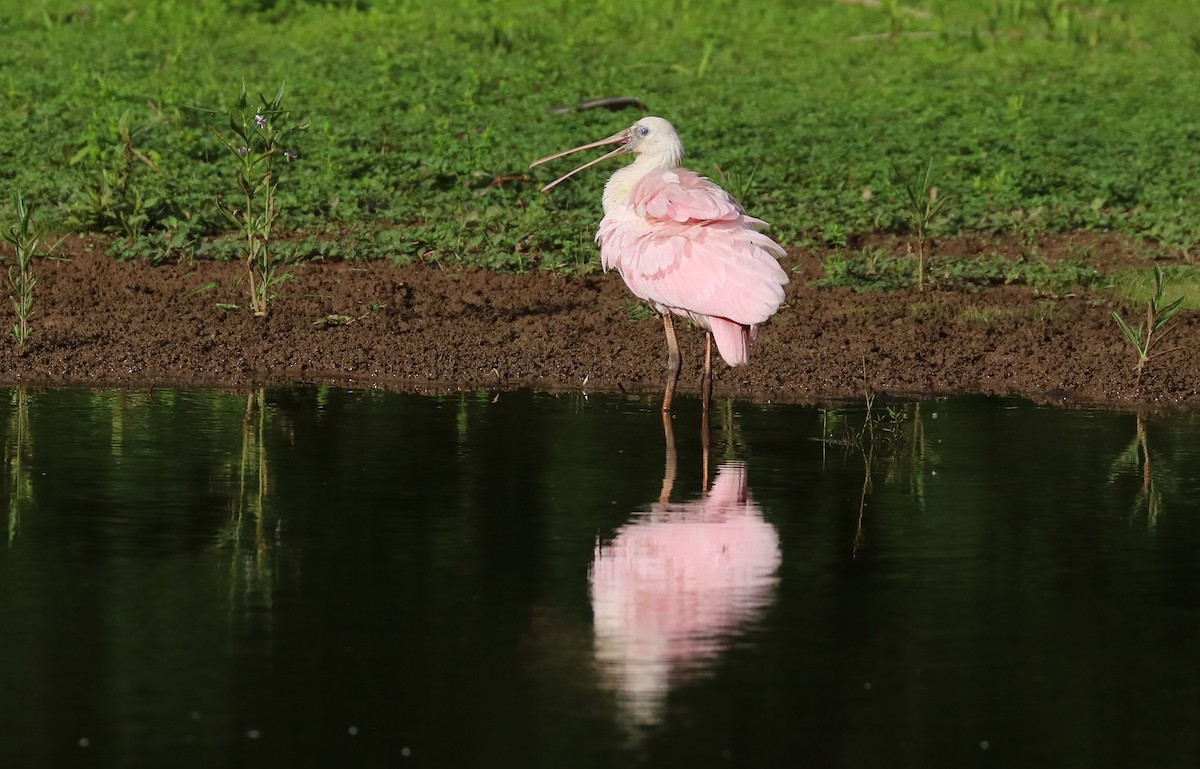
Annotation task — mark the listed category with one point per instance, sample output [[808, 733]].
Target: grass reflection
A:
[[247, 536], [18, 449], [891, 441], [1138, 459]]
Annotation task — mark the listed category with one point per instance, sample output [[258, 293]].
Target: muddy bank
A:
[[418, 327]]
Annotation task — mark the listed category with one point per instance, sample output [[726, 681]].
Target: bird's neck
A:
[[620, 186]]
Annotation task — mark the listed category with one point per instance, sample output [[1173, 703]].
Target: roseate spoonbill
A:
[[685, 245]]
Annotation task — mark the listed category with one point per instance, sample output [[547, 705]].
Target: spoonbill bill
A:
[[684, 245]]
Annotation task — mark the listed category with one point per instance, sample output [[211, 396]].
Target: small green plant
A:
[[895, 13], [871, 269], [110, 198], [922, 204], [21, 278], [636, 310], [1156, 318], [336, 319], [258, 141], [834, 235], [738, 185]]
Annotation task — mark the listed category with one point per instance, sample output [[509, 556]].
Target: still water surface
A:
[[323, 577]]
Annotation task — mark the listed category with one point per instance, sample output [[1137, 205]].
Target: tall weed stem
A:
[[258, 141], [21, 277]]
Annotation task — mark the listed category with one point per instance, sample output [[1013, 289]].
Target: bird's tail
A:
[[733, 340]]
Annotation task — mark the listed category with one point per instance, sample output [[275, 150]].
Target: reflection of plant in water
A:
[[17, 451], [247, 534], [1136, 458], [868, 459], [117, 403], [463, 416], [253, 476], [910, 455], [894, 438], [462, 419], [733, 446], [853, 431]]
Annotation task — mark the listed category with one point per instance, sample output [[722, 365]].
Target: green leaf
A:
[[83, 153], [206, 287], [1134, 337], [238, 129], [1165, 314], [228, 144], [274, 104]]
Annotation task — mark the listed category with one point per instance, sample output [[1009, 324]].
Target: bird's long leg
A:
[[706, 381], [705, 441], [674, 362]]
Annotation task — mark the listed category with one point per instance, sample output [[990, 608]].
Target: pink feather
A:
[[685, 245]]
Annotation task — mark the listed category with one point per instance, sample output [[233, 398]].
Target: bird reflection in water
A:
[[678, 584]]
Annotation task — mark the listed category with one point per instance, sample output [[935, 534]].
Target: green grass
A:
[[1137, 287], [872, 269], [1038, 116], [989, 316]]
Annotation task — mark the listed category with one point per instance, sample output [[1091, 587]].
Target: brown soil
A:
[[102, 322]]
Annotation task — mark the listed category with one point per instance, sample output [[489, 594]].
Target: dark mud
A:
[[423, 328]]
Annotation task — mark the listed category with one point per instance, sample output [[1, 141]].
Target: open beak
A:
[[621, 137]]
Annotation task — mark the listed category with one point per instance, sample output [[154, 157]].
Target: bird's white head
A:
[[656, 140], [653, 139]]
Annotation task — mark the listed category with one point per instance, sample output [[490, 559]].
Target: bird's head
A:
[[657, 139], [653, 139]]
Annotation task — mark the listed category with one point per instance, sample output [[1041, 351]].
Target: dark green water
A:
[[332, 578]]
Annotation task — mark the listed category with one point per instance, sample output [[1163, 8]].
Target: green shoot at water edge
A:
[[258, 139], [21, 278], [922, 205], [1156, 317]]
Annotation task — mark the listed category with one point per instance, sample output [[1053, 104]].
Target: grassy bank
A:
[[1037, 116]]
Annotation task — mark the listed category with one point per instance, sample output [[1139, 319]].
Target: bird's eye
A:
[[643, 131]]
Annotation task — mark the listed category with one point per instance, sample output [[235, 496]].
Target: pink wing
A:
[[685, 244]]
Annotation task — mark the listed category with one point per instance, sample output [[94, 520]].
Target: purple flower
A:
[[261, 121], [290, 155], [243, 150]]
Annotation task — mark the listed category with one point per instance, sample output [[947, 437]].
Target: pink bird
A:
[[684, 245]]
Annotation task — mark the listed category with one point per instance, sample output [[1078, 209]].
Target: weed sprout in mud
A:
[[258, 140], [922, 205], [1157, 316], [21, 278]]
